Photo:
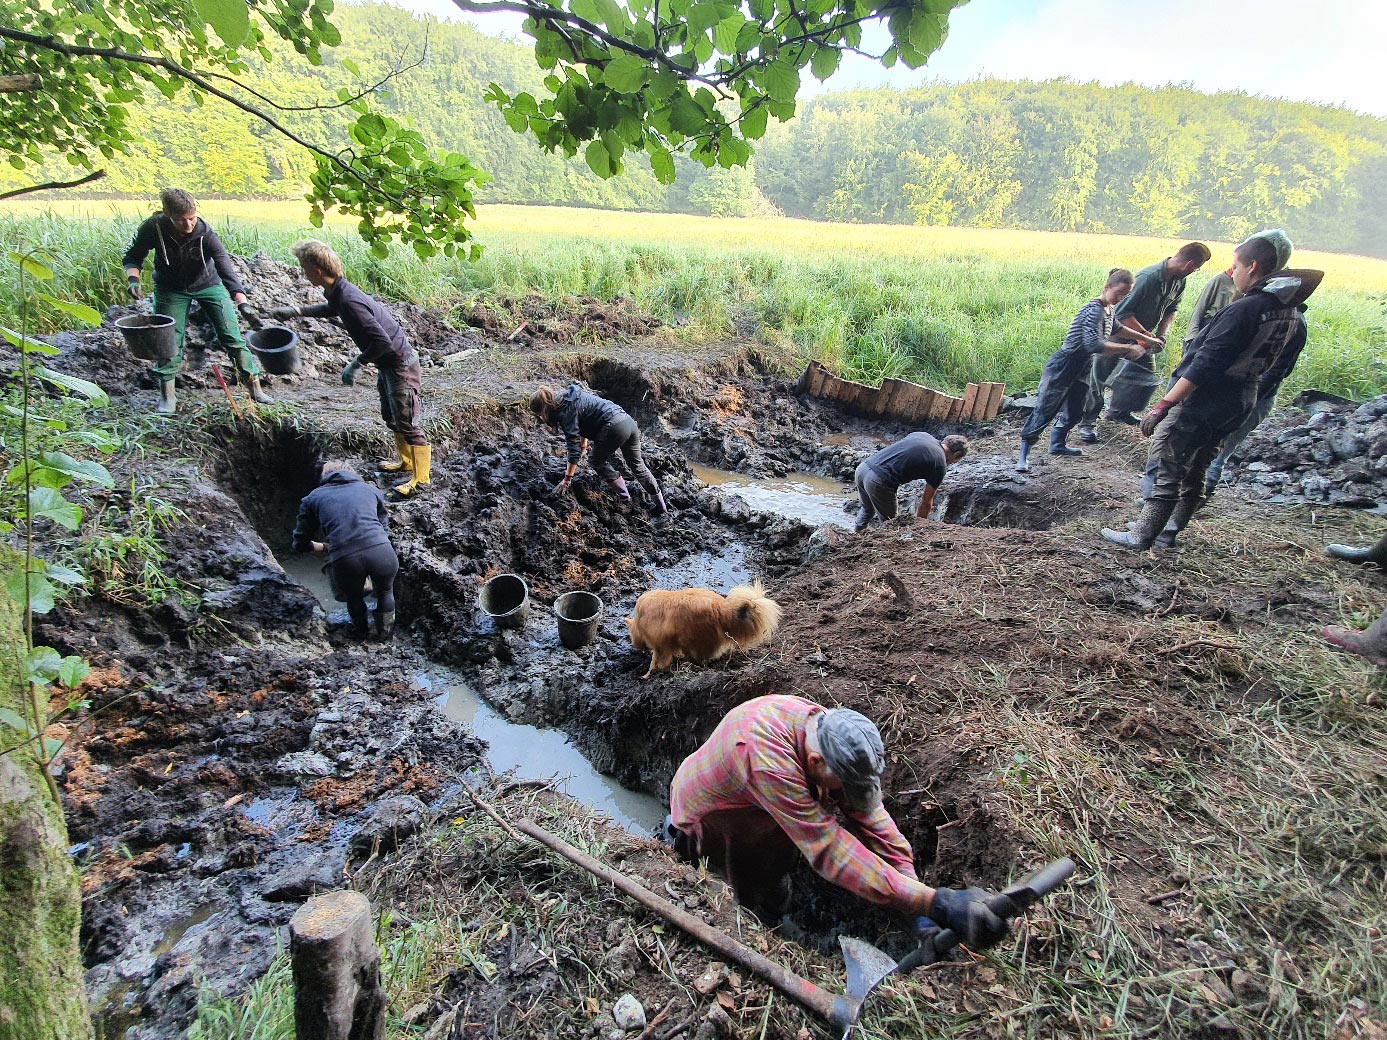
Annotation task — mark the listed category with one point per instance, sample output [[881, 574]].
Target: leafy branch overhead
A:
[[95, 62], [696, 76]]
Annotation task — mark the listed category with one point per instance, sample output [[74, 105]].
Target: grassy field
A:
[[942, 305]]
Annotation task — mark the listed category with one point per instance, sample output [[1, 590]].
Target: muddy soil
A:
[[238, 757]]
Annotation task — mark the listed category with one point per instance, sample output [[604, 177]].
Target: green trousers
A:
[[216, 303]]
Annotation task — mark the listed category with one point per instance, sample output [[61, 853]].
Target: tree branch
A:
[[25, 83], [54, 185]]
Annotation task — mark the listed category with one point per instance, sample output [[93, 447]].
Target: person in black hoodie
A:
[[585, 417], [1216, 386], [190, 263], [382, 343], [352, 516]]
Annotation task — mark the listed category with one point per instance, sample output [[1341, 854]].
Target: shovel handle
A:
[[1032, 888]]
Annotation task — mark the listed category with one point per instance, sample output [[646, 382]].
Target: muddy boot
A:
[[1179, 520], [1151, 522], [422, 454], [1087, 434], [257, 392], [168, 400], [1125, 418], [385, 624], [1058, 445], [619, 485], [1023, 463], [1354, 554], [406, 463], [1370, 643], [660, 501]]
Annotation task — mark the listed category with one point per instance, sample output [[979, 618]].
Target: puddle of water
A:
[[705, 570], [860, 441], [307, 570], [798, 496], [531, 753], [181, 927], [280, 811]]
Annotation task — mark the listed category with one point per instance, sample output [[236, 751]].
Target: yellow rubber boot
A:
[[423, 456], [405, 463]]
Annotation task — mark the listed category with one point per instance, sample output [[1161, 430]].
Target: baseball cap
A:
[[852, 748]]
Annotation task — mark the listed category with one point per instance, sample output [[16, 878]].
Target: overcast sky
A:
[[1328, 51]]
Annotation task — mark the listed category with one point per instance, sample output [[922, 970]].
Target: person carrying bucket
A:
[[190, 263], [382, 343], [585, 417], [351, 515]]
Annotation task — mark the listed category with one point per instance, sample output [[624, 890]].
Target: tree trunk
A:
[[42, 993], [337, 990]]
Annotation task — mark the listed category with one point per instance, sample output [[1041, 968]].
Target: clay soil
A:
[[1169, 720]]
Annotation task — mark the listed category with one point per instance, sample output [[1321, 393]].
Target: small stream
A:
[[804, 497], [523, 751]]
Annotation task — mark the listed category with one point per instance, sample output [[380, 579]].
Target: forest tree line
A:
[[1053, 155]]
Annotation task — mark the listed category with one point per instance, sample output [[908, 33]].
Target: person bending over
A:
[[916, 456]]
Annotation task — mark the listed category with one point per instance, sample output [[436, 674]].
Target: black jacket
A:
[[182, 264], [580, 414], [371, 326], [350, 513]]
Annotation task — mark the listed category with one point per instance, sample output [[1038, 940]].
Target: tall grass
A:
[[942, 305]]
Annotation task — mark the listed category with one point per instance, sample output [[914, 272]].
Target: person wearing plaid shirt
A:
[[762, 791]]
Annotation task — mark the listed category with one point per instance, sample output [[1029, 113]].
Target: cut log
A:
[[336, 966]]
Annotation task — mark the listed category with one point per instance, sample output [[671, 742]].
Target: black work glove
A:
[[284, 313], [1155, 417], [248, 312], [132, 286], [965, 913]]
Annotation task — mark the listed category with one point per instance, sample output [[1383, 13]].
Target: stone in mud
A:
[[627, 1013], [302, 880], [306, 763], [390, 822], [735, 510]]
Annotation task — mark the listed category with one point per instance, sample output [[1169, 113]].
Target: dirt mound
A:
[[521, 320], [1328, 453]]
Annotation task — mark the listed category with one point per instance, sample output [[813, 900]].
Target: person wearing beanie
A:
[[1216, 385], [765, 790]]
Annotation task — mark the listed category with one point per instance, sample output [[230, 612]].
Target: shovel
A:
[[868, 967]]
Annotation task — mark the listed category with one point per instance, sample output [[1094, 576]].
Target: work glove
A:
[[1154, 418], [561, 488], [132, 286], [965, 913], [349, 373], [248, 312], [284, 313]]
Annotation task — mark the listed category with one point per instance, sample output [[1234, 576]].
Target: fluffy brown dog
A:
[[700, 625]]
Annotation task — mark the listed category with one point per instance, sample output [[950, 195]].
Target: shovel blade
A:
[[866, 965]]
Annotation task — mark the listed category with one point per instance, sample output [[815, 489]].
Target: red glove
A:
[[1154, 418]]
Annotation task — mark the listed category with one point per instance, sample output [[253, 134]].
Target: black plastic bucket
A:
[[506, 600], [150, 337], [578, 614], [277, 349]]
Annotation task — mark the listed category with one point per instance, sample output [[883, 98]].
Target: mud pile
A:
[[1336, 454]]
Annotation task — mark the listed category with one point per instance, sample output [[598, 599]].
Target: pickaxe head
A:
[[866, 966]]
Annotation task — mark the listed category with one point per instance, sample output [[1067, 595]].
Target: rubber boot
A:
[[405, 463], [1370, 643], [1087, 434], [422, 456], [1151, 522], [660, 500], [1023, 464], [385, 624], [1058, 445], [1179, 520], [168, 399], [1354, 554], [619, 483], [1125, 418], [257, 392]]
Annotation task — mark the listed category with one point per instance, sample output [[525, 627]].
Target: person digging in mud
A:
[[761, 793], [1372, 641], [1144, 317], [916, 456], [1064, 381], [382, 343], [585, 417], [1216, 387], [352, 516], [190, 263]]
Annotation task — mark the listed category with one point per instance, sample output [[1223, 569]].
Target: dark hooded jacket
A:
[[374, 330], [580, 414], [188, 264], [350, 513]]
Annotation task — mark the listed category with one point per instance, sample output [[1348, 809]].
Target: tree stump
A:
[[337, 988]]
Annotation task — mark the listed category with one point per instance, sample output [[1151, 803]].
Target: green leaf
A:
[[781, 80], [599, 159], [51, 746], [73, 671], [49, 503], [351, 67], [824, 62], [82, 387], [42, 664], [625, 74], [662, 164], [33, 267], [686, 116], [28, 344], [14, 721], [231, 19], [725, 33], [926, 32], [754, 123], [78, 468], [64, 575], [663, 85]]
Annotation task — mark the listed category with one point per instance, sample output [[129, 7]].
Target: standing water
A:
[[798, 496]]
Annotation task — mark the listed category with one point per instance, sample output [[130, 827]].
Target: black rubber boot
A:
[[385, 624], [1179, 520], [1143, 533], [1058, 445], [1023, 463], [1376, 553], [1087, 434]]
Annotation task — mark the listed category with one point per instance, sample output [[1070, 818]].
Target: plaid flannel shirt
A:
[[756, 759]]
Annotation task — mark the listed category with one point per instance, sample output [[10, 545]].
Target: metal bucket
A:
[[578, 614], [277, 349], [506, 600], [150, 337]]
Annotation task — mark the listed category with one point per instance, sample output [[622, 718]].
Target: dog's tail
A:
[[749, 615]]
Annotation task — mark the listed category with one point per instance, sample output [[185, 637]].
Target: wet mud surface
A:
[[238, 756]]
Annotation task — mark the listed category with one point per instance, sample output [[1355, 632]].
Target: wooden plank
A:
[[939, 409], [955, 409], [920, 405], [890, 395], [994, 400], [817, 376], [970, 401]]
